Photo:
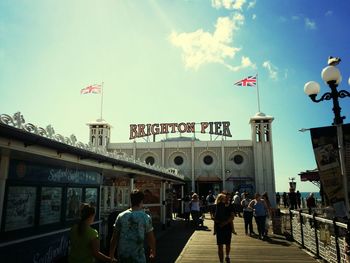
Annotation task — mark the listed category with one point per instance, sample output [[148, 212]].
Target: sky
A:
[[174, 61]]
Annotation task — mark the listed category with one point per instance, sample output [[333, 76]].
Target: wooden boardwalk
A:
[[201, 247]]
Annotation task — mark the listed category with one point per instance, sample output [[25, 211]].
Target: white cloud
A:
[[295, 17], [228, 4], [254, 16], [252, 4], [310, 24], [272, 69], [200, 47]]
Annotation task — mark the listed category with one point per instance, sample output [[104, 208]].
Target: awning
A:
[[310, 175]]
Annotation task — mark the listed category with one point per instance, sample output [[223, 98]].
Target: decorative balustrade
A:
[[323, 237], [17, 121]]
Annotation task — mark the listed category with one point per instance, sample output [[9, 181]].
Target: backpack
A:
[[211, 199]]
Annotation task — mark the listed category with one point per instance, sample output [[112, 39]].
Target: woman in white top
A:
[[187, 208], [195, 209]]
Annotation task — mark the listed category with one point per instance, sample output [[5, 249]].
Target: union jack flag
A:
[[249, 81], [95, 89]]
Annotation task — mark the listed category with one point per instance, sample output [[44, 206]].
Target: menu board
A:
[[73, 202], [91, 196], [126, 196], [120, 197], [20, 207], [50, 205]]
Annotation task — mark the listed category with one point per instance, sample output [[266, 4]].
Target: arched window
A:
[[208, 160], [238, 159], [178, 160], [150, 160]]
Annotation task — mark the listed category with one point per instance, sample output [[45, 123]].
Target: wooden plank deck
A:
[[201, 247]]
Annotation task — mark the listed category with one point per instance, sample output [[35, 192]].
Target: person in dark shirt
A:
[[298, 196], [223, 218], [285, 199], [278, 199], [311, 202], [292, 199]]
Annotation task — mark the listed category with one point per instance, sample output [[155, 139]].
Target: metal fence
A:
[[325, 238]]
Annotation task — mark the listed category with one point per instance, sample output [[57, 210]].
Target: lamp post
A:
[[332, 77]]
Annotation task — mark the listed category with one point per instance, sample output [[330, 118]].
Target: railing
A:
[[323, 237]]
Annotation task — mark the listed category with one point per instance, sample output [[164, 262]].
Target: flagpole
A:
[[101, 99], [257, 91]]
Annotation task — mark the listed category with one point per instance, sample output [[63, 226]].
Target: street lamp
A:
[[332, 77]]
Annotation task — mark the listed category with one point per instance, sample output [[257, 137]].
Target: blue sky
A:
[[173, 61]]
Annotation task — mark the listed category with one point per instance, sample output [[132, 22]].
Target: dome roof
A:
[[179, 139]]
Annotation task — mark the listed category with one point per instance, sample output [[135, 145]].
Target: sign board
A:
[[325, 145], [216, 128], [27, 171]]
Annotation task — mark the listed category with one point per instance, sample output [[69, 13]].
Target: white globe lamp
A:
[[311, 88], [331, 73]]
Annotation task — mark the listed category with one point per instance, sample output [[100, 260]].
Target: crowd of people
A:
[[293, 200], [133, 227], [223, 208]]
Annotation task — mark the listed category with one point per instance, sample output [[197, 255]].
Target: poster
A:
[[73, 202], [50, 205], [327, 157], [91, 196], [325, 144], [151, 191], [126, 196], [120, 197], [20, 207]]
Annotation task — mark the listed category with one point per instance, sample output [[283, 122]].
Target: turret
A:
[[263, 155], [99, 133]]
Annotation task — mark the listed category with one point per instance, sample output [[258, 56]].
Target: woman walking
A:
[[247, 215], [85, 243], [260, 211], [223, 226]]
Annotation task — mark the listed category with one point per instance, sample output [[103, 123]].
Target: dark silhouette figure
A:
[[278, 199], [292, 199], [298, 196]]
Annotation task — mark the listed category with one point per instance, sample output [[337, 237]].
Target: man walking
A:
[[211, 203], [130, 230]]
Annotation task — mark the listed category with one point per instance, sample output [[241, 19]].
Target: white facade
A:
[[212, 165]]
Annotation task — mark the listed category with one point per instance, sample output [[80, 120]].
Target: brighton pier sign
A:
[[216, 127]]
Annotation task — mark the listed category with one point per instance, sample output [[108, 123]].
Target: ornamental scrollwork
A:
[[17, 121], [42, 132], [30, 128], [59, 138], [343, 94], [73, 139], [50, 131], [6, 119]]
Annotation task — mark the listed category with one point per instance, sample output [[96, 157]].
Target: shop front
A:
[[44, 181], [41, 202]]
